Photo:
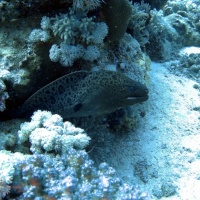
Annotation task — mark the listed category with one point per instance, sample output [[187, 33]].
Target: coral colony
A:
[[46, 156], [58, 166]]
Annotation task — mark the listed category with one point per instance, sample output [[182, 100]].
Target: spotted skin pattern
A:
[[85, 93]]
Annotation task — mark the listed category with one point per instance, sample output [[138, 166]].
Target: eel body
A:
[[85, 93]]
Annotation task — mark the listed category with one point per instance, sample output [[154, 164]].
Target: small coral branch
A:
[[3, 96], [4, 189]]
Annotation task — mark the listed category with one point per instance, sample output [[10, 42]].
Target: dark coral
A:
[[117, 14]]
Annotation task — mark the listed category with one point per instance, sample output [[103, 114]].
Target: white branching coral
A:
[[76, 28], [67, 54], [68, 176], [47, 132], [72, 27], [81, 37], [139, 21], [86, 5], [6, 170]]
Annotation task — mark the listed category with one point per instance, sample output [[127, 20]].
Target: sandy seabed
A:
[[165, 145]]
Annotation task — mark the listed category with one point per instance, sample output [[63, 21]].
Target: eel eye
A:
[[132, 88]]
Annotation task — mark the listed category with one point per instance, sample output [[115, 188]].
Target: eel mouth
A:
[[141, 98], [138, 97]]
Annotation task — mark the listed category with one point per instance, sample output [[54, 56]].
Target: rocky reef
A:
[[53, 39], [71, 35], [42, 40]]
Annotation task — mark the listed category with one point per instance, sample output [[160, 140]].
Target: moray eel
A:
[[85, 93]]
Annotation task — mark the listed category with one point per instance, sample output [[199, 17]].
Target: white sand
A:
[[167, 138]]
